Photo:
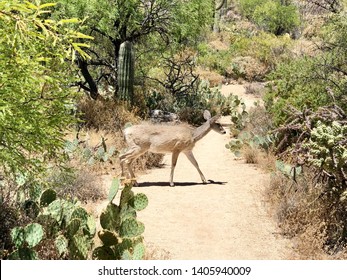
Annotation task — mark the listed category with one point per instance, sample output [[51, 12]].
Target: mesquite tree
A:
[[153, 26]]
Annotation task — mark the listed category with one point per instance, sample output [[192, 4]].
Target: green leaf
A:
[[42, 6], [70, 20]]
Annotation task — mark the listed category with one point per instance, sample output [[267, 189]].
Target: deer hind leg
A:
[[128, 157], [192, 159], [173, 165]]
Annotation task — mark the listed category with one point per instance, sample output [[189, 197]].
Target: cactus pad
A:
[[47, 197], [81, 214], [73, 227], [126, 255], [79, 247], [61, 244], [126, 196], [139, 201], [91, 226], [103, 253], [114, 189], [33, 234], [108, 238], [131, 228], [23, 254], [139, 251], [110, 219]]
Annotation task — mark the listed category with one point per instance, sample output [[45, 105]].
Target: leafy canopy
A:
[[35, 73]]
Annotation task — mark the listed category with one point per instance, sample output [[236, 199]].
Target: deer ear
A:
[[207, 115]]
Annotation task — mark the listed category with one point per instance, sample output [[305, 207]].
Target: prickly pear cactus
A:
[[108, 238], [47, 197], [131, 228], [73, 227], [104, 253], [110, 217], [139, 201], [114, 189], [79, 247], [122, 232], [126, 72], [65, 222], [25, 239], [139, 251]]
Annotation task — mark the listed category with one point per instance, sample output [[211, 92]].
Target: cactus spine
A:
[[126, 72]]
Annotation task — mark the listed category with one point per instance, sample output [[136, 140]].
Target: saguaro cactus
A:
[[126, 72], [217, 15]]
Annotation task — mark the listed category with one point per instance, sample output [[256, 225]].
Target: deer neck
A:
[[201, 131]]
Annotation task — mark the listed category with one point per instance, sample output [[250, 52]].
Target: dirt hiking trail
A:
[[224, 219]]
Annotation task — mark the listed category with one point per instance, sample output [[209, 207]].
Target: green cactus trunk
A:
[[126, 72]]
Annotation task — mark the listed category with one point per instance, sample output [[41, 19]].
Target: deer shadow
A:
[[178, 184]]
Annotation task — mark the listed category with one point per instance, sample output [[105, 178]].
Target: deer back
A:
[[160, 138]]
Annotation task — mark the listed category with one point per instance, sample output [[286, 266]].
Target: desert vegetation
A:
[[75, 74]]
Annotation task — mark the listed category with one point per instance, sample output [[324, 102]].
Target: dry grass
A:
[[267, 162], [305, 213], [105, 119], [256, 89], [108, 115], [80, 183], [251, 154], [214, 78], [248, 68]]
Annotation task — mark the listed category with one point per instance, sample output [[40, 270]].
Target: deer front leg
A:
[[173, 165], [192, 159]]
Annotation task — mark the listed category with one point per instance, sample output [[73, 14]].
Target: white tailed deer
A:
[[167, 139]]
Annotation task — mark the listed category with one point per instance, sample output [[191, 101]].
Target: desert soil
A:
[[225, 219]]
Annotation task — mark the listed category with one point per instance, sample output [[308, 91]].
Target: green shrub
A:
[[327, 151], [36, 74], [278, 19], [271, 15], [294, 85], [215, 60], [247, 7]]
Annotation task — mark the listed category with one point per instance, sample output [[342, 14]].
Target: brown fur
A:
[[166, 139]]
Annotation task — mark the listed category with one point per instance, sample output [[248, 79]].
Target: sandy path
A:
[[226, 219]]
